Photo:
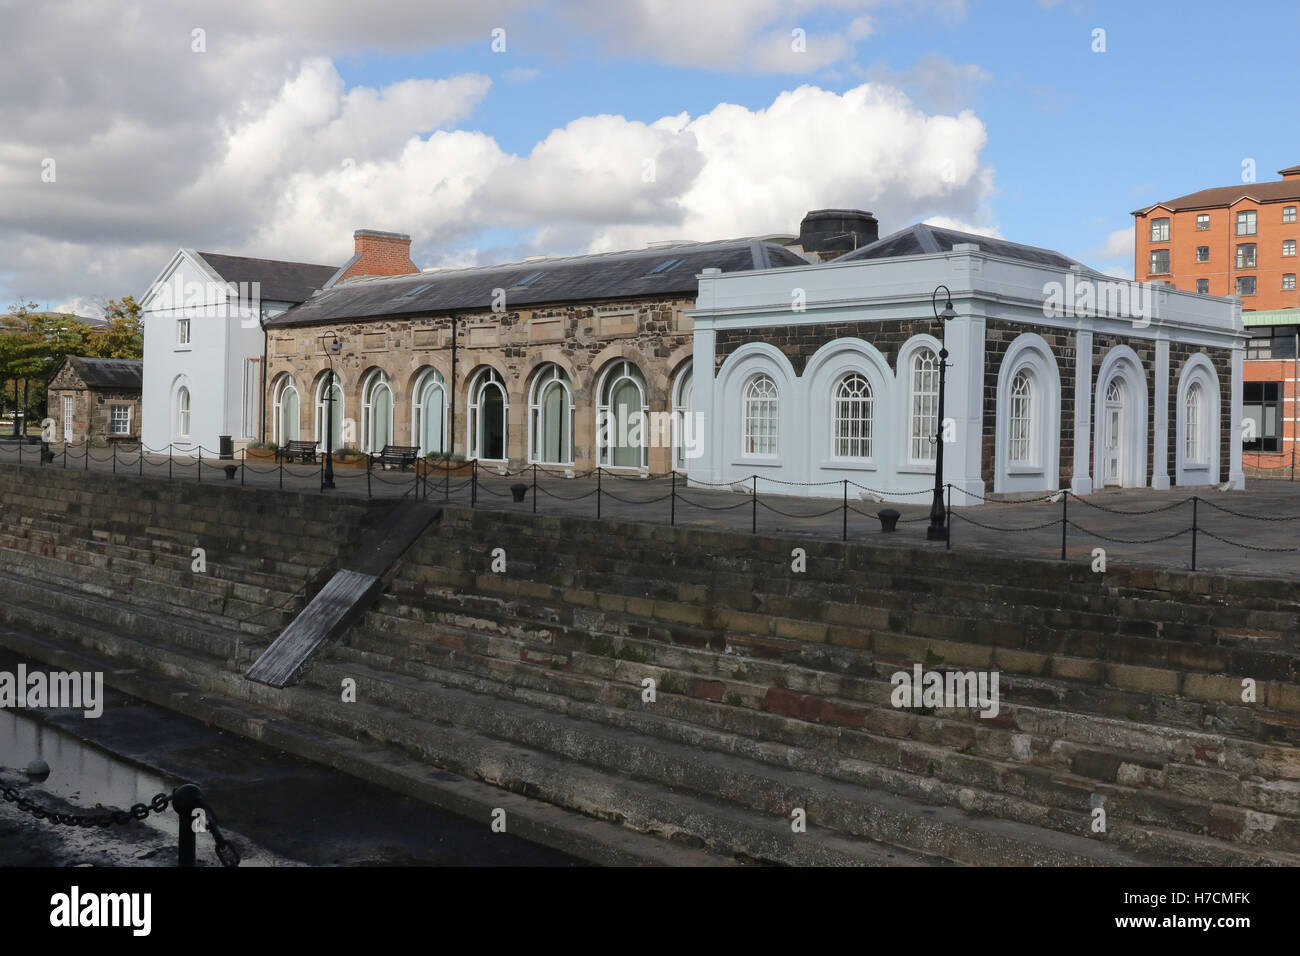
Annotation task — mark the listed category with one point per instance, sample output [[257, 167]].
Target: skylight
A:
[[668, 265], [530, 278], [418, 288]]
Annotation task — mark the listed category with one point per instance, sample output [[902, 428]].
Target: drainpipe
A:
[[451, 448], [261, 374]]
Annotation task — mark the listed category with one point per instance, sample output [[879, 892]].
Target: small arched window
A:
[[429, 413], [488, 406], [762, 411], [1021, 418], [376, 412], [852, 414], [286, 410], [183, 412], [923, 426], [1194, 445]]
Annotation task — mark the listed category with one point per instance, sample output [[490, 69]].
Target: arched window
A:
[[924, 411], [429, 413], [1021, 447], [183, 412], [762, 410], [852, 415], [376, 412], [685, 436], [286, 408], [324, 414], [621, 418], [1194, 445], [550, 413], [487, 416]]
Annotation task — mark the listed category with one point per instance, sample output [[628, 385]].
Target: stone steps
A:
[[985, 761], [852, 807]]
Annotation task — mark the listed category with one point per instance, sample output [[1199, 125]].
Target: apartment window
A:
[[1288, 281], [1246, 255], [1245, 285], [1262, 406], [1159, 261], [1202, 253], [1247, 222], [1288, 247], [119, 419], [1288, 213], [1271, 342], [1203, 222], [1159, 230], [182, 332], [1203, 286]]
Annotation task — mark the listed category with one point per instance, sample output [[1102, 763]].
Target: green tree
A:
[[123, 337], [32, 344]]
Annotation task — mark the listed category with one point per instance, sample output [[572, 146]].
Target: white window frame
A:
[[916, 399], [375, 379], [430, 379], [183, 333], [863, 422], [683, 402], [760, 410], [322, 412], [1160, 229], [549, 376], [283, 385], [617, 372], [1022, 420], [482, 380], [113, 420], [183, 412], [1194, 426]]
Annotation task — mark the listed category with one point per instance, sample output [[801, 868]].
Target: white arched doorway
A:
[[429, 413], [622, 417], [376, 412], [488, 408], [1120, 422]]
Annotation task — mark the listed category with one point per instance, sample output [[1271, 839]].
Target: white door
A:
[[67, 419], [1112, 467]]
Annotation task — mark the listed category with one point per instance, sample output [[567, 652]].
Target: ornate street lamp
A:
[[327, 480], [938, 530]]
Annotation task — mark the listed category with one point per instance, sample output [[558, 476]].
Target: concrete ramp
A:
[[345, 597]]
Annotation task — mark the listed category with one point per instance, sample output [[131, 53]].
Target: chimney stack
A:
[[380, 254], [1291, 172], [830, 233]]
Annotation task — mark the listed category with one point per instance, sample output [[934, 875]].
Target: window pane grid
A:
[[925, 405], [761, 408], [853, 413]]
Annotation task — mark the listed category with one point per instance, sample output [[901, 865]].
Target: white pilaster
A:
[[964, 339], [1160, 413], [1081, 482]]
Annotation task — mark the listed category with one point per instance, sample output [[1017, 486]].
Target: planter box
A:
[[435, 470], [256, 454]]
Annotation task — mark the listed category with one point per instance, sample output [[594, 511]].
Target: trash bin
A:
[[227, 444]]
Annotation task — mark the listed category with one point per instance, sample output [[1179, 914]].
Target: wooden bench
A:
[[303, 451], [400, 455]]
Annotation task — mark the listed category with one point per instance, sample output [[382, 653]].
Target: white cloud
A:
[[1119, 244]]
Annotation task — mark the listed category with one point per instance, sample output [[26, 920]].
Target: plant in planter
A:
[[261, 451], [347, 455]]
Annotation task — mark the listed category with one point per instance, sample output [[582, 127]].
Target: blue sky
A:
[[300, 122]]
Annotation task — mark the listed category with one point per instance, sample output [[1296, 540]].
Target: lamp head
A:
[[948, 312]]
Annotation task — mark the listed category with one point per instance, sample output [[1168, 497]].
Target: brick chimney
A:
[[1291, 172], [380, 254]]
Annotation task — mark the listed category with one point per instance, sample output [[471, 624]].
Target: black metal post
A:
[[199, 470], [1065, 518], [947, 543], [243, 466], [534, 487], [446, 481], [937, 530], [327, 477], [753, 504], [171, 455], [672, 514], [473, 483], [844, 531], [114, 447], [597, 491], [1195, 501], [65, 453], [185, 800], [140, 452], [280, 464]]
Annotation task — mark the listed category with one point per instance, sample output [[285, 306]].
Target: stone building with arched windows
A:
[[1057, 376], [570, 362]]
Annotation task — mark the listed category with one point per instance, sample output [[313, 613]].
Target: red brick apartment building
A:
[[1241, 240]]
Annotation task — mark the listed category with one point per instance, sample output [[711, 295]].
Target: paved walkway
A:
[[1254, 532]]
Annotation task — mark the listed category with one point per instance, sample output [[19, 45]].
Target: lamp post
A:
[[938, 530], [327, 479]]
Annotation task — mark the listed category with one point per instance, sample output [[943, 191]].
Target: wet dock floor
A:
[[278, 808]]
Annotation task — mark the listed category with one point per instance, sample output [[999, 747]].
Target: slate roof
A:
[[281, 281], [118, 374], [665, 270], [922, 239]]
